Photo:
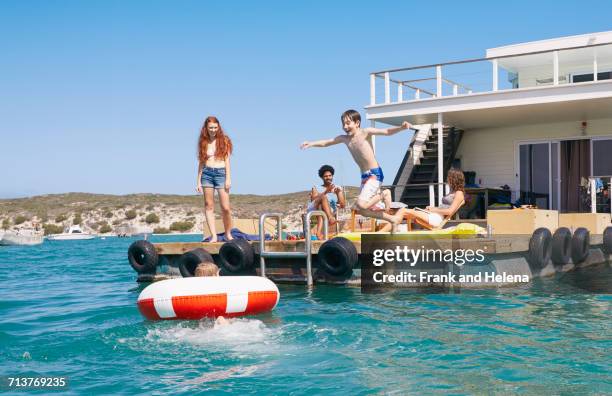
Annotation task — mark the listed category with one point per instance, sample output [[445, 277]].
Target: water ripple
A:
[[68, 308]]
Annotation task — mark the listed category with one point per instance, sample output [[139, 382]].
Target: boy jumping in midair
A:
[[363, 154]]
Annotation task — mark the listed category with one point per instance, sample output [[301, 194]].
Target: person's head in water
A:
[[351, 121], [326, 173], [455, 180], [206, 269]]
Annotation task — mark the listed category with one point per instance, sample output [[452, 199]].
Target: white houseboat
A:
[[534, 118]]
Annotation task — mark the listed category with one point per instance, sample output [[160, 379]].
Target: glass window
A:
[[534, 174], [589, 77], [602, 157]]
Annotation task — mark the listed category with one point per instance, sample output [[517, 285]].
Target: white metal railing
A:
[[431, 189], [307, 253], [597, 185], [554, 67]]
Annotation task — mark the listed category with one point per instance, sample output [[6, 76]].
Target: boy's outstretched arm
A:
[[388, 131], [322, 143]]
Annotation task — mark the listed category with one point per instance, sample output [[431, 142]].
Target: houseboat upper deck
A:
[[559, 79]]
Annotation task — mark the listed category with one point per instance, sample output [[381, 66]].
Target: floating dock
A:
[[340, 260]]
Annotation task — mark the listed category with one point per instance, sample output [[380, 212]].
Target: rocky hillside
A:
[[103, 214]]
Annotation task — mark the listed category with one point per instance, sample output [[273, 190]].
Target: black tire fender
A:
[[607, 240], [337, 257], [143, 256], [561, 246], [188, 262], [236, 255], [580, 245], [540, 246]]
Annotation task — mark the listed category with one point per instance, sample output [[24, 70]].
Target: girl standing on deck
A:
[[214, 150]]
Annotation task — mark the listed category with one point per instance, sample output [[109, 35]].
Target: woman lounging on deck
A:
[[436, 217]]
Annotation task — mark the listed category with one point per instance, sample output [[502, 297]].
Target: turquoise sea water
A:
[[69, 309]]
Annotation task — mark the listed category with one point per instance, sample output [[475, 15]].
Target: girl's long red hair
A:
[[224, 144]]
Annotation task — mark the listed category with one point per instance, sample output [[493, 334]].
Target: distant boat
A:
[[22, 237], [72, 233]]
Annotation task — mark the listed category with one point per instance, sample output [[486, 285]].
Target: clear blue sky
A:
[[109, 96]]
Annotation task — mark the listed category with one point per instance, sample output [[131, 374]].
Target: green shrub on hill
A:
[[108, 214], [130, 214], [61, 218], [152, 218], [77, 220], [20, 219], [161, 230], [6, 223], [105, 228], [181, 226], [52, 229]]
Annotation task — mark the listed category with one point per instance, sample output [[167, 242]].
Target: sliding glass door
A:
[[602, 157], [539, 174], [601, 167], [554, 174]]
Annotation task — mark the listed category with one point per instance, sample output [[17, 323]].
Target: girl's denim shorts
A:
[[213, 177]]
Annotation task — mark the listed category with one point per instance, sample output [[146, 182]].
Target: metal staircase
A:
[[420, 165]]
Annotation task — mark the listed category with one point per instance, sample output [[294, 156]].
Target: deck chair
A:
[[428, 226], [354, 218]]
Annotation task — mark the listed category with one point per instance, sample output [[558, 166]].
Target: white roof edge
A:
[[551, 44]]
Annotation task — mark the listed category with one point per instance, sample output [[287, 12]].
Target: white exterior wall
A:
[[491, 152]]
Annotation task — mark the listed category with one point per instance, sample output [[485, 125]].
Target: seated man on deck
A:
[[328, 199]]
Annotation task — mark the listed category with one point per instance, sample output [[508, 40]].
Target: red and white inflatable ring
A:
[[201, 297]]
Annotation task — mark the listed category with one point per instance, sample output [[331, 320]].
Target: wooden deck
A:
[[291, 270], [495, 244], [173, 248]]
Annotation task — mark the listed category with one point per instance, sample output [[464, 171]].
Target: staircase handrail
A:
[[431, 186]]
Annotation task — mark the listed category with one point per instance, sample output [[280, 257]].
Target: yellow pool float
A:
[[462, 230]]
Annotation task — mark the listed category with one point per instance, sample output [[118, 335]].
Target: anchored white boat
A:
[[72, 233], [24, 237]]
